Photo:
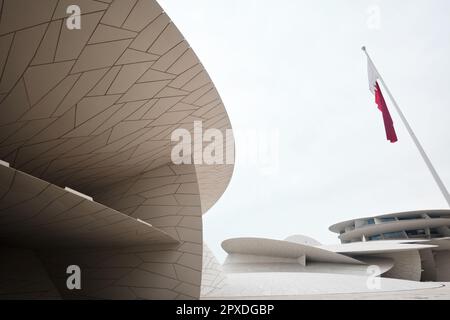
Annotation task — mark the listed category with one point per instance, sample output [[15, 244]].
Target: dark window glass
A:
[[374, 237], [417, 232], [437, 232], [434, 231], [410, 218], [394, 235], [387, 219]]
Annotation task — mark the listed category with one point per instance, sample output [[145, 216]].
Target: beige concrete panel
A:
[[186, 61], [47, 49], [22, 276], [28, 130], [56, 129], [165, 212], [18, 98], [127, 76], [133, 56], [72, 42], [141, 91], [89, 107], [103, 85], [154, 273], [428, 265], [101, 55], [47, 105], [185, 77], [160, 106], [213, 180], [442, 260], [407, 265], [105, 33], [5, 44], [85, 83], [197, 81], [117, 12], [21, 14], [142, 14], [171, 56], [168, 38], [154, 75], [145, 38], [123, 112]]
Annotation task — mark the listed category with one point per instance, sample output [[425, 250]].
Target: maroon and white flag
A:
[[389, 125], [374, 87]]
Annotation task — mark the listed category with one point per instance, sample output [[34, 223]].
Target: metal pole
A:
[[425, 158]]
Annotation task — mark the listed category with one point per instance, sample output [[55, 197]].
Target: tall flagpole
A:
[[425, 158]]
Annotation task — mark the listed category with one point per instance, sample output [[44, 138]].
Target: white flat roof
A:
[[379, 246]]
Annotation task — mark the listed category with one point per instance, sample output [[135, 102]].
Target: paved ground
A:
[[441, 293], [304, 286]]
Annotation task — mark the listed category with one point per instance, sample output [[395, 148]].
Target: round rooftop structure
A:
[[302, 239], [421, 224]]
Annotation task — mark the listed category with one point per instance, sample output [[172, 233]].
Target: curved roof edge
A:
[[283, 249], [108, 107], [340, 225], [394, 226], [38, 214]]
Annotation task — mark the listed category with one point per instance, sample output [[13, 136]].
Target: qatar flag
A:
[[379, 100]]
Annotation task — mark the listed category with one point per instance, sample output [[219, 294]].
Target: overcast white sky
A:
[[296, 68]]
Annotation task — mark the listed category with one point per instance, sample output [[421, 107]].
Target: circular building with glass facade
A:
[[423, 224]]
